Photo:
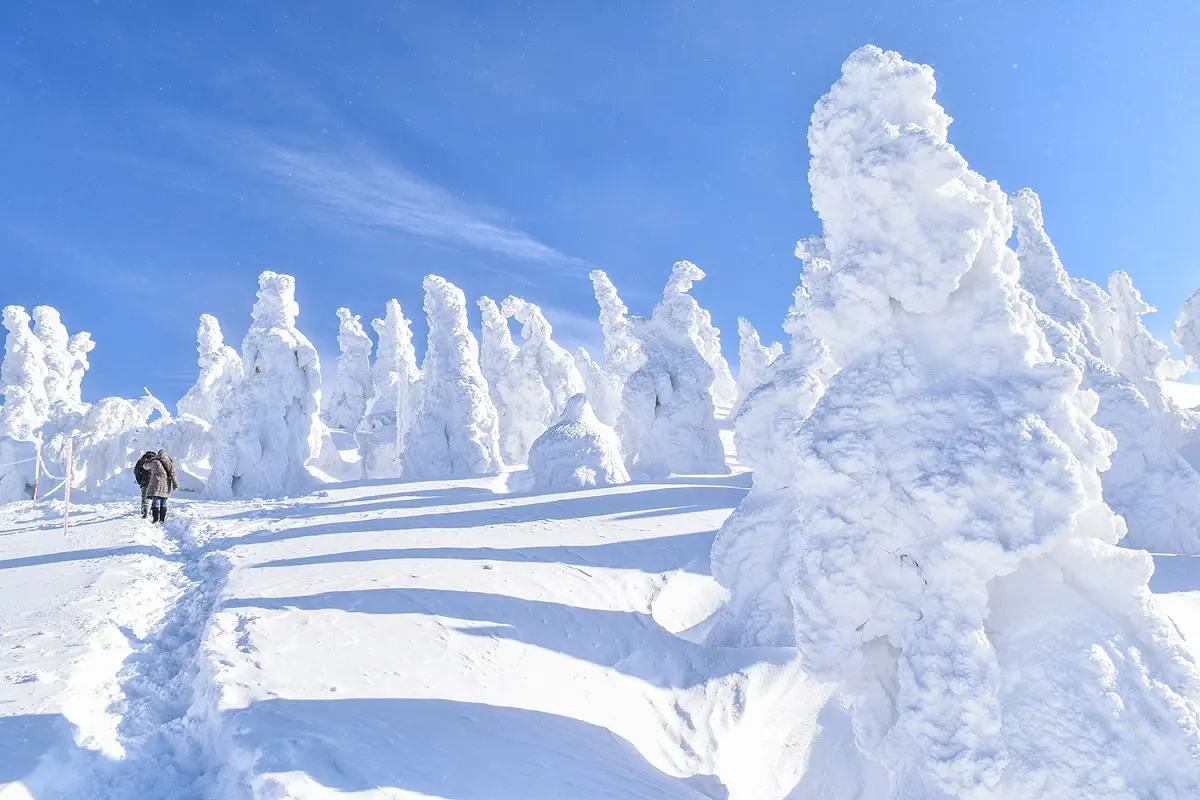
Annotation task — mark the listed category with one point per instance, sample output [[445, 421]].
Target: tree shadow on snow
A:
[[646, 503], [627, 641], [424, 498], [25, 738], [455, 750], [686, 551], [84, 555]]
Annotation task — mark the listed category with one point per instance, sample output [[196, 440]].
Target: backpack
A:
[[140, 473]]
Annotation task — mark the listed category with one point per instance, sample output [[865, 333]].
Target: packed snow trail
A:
[[126, 695]]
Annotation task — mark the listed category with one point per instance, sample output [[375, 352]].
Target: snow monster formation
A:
[[667, 422], [268, 429], [753, 359], [523, 403], [23, 384], [346, 403], [455, 432], [940, 538], [395, 388], [1149, 483], [622, 353], [220, 373], [577, 452]]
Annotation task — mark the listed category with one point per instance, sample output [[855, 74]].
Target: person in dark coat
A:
[[142, 476], [160, 482]]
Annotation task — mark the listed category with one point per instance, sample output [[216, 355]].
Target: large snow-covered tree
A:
[[346, 403], [948, 559], [395, 392], [220, 373], [667, 423], [699, 326], [455, 432], [1187, 329], [268, 430]]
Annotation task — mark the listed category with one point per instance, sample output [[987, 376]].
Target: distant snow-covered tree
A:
[[541, 355], [498, 362], [347, 400], [1187, 329], [753, 359], [220, 373], [622, 353], [455, 432], [395, 390], [23, 384], [268, 430], [700, 328], [667, 422], [577, 452], [60, 361]]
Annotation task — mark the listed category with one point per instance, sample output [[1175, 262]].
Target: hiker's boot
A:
[[154, 514], [162, 514]]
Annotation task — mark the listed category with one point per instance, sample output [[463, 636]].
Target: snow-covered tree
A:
[[497, 361], [23, 384], [577, 452], [220, 373], [1144, 359], [347, 400], [753, 359], [1187, 330], [60, 361], [1149, 483], [948, 559], [667, 422], [455, 432], [701, 330], [79, 345], [605, 381], [541, 355], [268, 430], [395, 390]]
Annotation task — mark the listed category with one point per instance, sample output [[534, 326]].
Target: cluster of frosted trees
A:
[[256, 422]]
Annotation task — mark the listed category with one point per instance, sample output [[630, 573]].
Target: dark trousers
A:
[[145, 501]]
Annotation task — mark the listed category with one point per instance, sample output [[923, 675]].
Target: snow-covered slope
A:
[[388, 639]]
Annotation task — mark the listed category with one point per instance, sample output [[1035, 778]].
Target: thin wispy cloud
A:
[[364, 188]]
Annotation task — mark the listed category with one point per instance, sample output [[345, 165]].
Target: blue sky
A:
[[158, 156]]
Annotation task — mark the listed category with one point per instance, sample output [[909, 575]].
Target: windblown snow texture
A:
[[577, 452], [455, 432], [948, 558], [346, 403], [220, 373], [268, 430], [667, 420], [395, 388]]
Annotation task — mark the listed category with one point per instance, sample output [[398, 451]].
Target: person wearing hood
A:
[[160, 482], [142, 476]]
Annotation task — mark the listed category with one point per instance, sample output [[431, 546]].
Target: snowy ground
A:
[[389, 639], [397, 640]]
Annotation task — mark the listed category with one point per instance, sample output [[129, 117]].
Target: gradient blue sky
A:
[[157, 156]]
